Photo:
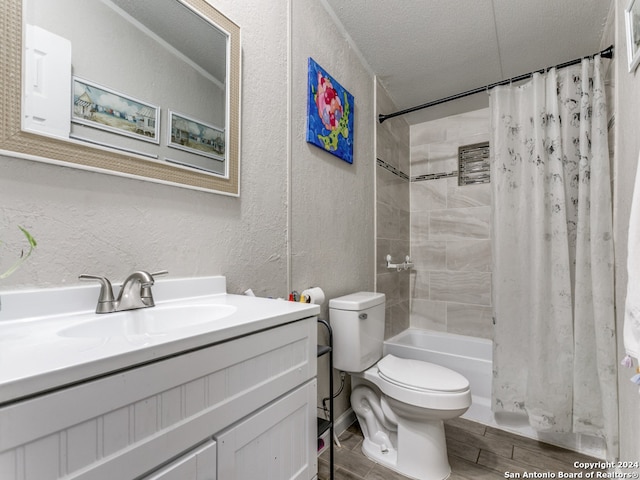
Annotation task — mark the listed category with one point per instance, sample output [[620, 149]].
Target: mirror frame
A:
[[15, 142]]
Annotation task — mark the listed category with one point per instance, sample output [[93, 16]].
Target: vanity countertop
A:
[[36, 355]]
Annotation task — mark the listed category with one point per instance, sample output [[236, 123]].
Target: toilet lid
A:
[[419, 375]]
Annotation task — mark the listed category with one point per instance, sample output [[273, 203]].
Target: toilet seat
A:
[[396, 381], [421, 376]]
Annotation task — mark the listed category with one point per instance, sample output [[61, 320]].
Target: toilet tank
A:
[[357, 321]]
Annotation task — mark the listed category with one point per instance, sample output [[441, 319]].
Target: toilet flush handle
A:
[[363, 316]]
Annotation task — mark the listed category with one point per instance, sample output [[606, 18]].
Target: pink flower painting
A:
[[329, 114]]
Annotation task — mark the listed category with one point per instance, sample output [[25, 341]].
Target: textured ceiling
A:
[[424, 50]]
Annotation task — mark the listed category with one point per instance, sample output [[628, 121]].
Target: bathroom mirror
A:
[[148, 89]]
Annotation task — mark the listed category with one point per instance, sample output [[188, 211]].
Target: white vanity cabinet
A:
[[231, 410]]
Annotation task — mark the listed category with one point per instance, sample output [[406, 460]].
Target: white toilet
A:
[[400, 403]]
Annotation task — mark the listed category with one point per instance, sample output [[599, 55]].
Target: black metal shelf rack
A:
[[324, 424]]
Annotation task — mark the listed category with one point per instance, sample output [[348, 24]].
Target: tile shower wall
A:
[[450, 230], [392, 214]]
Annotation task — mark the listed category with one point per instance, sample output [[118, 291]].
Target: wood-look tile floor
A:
[[476, 452]]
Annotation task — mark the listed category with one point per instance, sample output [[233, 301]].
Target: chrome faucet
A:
[[134, 293]]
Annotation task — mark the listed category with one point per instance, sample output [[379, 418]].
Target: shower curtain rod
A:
[[606, 53]]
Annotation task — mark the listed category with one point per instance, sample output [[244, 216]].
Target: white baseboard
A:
[[344, 421]]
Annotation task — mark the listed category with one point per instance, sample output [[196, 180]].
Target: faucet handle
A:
[[106, 300], [145, 292]]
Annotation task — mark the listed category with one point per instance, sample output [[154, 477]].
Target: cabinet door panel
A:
[[197, 465], [276, 443]]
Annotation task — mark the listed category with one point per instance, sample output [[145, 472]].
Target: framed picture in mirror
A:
[[100, 107]]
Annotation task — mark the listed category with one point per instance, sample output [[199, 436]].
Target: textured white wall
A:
[[332, 202], [332, 231]]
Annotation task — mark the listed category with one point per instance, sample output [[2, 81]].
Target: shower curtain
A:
[[553, 298]]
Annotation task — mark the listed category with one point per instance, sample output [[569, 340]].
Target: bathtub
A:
[[469, 356], [473, 358]]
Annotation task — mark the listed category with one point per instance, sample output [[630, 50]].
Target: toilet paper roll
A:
[[315, 295]]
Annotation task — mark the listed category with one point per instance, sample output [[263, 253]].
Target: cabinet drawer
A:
[[128, 423], [197, 465]]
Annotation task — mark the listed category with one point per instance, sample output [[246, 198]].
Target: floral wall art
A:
[[329, 114]]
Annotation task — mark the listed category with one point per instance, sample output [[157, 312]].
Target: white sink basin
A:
[[159, 320]]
